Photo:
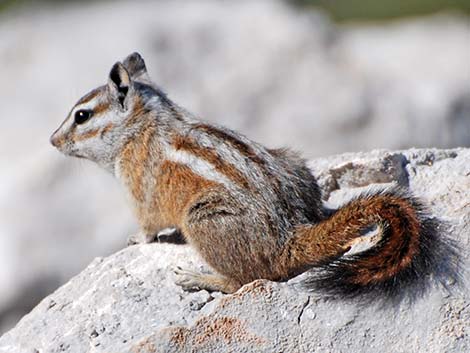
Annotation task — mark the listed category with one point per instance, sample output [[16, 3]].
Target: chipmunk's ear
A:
[[135, 65], [119, 83]]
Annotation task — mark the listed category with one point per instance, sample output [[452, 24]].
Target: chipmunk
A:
[[251, 212]]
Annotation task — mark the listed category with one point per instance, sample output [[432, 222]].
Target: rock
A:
[[280, 75], [128, 301]]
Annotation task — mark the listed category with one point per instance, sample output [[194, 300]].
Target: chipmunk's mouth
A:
[[75, 154]]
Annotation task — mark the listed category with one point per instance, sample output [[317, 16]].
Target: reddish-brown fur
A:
[[251, 212], [177, 187], [327, 240]]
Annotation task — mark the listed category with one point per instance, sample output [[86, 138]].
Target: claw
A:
[[140, 238], [187, 279], [133, 240]]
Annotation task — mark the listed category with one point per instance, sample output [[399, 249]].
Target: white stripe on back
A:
[[197, 165]]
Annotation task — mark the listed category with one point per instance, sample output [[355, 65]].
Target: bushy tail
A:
[[382, 242]]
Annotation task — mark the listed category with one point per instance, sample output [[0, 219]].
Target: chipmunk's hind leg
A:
[[191, 280]]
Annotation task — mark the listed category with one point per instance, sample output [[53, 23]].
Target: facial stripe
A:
[[100, 109], [90, 96], [210, 156], [86, 135], [106, 129]]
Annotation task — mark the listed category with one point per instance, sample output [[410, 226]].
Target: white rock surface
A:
[[281, 76], [129, 303]]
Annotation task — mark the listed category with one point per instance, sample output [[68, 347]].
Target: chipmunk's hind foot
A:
[[192, 281]]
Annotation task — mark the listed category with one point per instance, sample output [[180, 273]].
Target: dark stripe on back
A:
[[211, 156], [240, 146]]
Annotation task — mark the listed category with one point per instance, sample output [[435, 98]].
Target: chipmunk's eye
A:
[[82, 116]]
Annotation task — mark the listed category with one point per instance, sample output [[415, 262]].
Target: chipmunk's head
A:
[[104, 119]]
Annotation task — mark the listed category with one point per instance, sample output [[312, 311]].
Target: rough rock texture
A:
[[281, 76], [129, 303]]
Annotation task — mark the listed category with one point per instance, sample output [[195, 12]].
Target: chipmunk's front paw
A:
[[140, 238]]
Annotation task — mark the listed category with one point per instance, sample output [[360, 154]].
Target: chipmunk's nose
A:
[[54, 139]]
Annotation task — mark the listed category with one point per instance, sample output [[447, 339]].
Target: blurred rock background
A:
[[323, 77]]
